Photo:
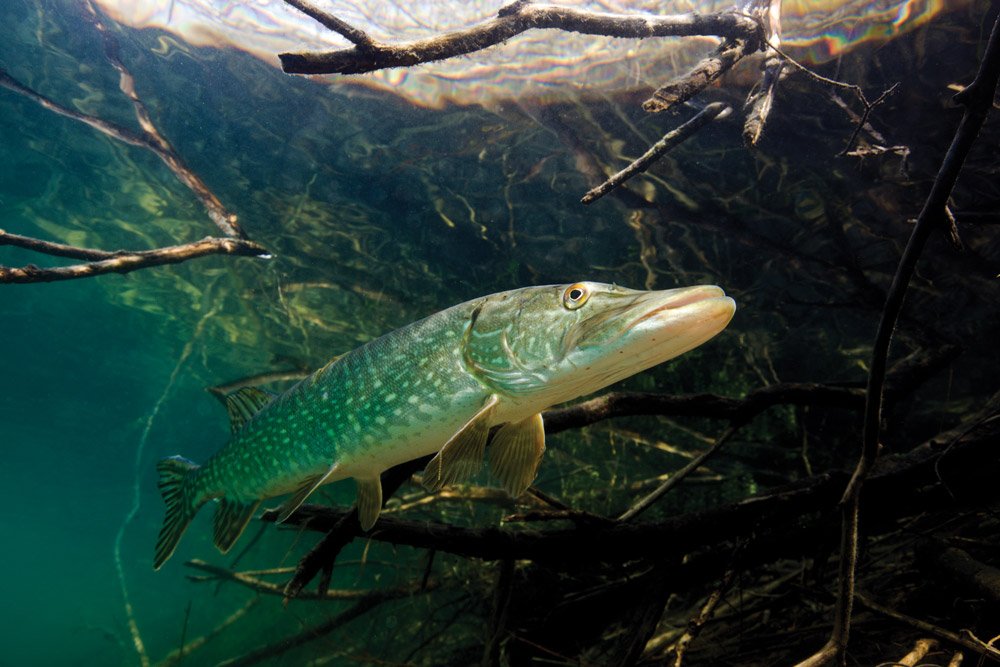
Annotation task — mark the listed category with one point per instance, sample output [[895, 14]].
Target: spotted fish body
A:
[[436, 386]]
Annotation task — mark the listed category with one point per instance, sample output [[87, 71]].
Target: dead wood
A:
[[496, 630], [629, 404], [965, 638], [681, 89], [342, 532], [699, 620], [907, 484], [714, 111], [920, 650], [978, 99], [253, 582], [958, 565], [312, 633], [150, 138], [369, 56], [119, 261]]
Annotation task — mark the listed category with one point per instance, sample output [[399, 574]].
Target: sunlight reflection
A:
[[538, 64]]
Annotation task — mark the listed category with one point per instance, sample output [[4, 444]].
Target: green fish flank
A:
[[437, 386]]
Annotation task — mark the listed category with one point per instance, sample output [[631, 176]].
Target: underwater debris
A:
[[101, 262]]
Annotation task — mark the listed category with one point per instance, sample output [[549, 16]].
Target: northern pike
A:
[[439, 385]]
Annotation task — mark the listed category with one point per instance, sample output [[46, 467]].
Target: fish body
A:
[[438, 385]]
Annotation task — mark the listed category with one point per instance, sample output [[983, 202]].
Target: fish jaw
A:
[[657, 327], [681, 321]]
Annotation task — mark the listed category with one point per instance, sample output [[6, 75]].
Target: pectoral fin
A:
[[462, 456], [369, 501], [308, 485], [515, 453]]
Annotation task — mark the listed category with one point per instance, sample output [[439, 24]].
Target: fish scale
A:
[[354, 412], [437, 385]]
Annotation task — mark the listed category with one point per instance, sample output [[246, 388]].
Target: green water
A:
[[378, 213]]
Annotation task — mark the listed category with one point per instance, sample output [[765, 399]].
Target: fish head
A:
[[557, 342]]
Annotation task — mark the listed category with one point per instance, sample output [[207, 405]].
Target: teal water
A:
[[378, 213]]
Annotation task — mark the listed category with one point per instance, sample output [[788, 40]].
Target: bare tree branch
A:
[[978, 99], [120, 261], [624, 404], [510, 21], [715, 110], [256, 584], [909, 480]]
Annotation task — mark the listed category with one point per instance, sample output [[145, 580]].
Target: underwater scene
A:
[[585, 332]]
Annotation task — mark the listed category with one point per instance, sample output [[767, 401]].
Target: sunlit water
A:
[[544, 64]]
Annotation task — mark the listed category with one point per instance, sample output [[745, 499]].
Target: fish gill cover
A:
[[337, 212]]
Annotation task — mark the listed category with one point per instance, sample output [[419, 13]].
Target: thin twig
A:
[[686, 86], [702, 617], [359, 37], [964, 638], [854, 88], [978, 99], [175, 656], [312, 633], [675, 479], [261, 586], [670, 140]]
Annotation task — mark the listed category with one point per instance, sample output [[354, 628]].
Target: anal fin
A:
[[231, 519], [515, 453], [305, 490], [369, 501], [462, 456]]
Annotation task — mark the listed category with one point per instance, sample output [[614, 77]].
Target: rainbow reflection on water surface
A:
[[543, 65]]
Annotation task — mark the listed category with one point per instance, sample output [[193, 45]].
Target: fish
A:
[[475, 374]]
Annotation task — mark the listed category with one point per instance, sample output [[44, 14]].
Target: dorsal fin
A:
[[244, 403]]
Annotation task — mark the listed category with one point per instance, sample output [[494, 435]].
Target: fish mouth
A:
[[700, 295]]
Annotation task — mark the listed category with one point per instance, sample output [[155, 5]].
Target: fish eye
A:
[[575, 296]]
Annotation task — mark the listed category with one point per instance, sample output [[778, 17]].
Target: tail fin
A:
[[178, 493]]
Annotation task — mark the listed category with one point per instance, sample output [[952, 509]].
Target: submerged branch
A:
[[978, 99], [254, 583], [512, 20], [965, 638], [312, 633], [627, 404], [672, 139], [119, 261], [647, 501], [223, 219], [710, 68], [150, 138], [908, 483]]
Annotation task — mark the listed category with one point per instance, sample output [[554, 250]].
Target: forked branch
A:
[[100, 262], [368, 55], [978, 99]]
